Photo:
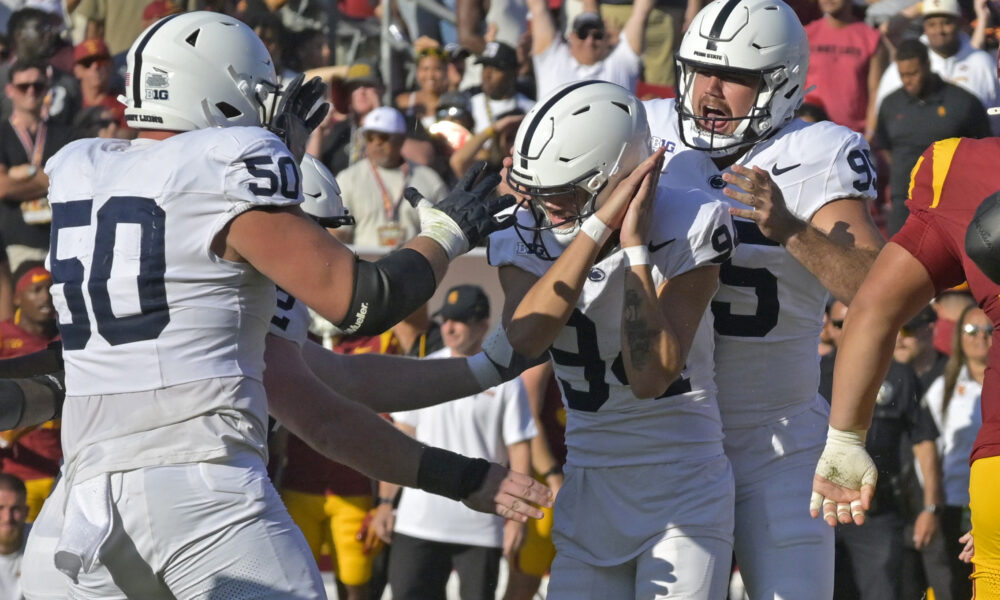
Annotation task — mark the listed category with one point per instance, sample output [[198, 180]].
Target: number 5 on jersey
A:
[[142, 218]]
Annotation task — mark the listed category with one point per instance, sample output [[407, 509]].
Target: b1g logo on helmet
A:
[[155, 84]]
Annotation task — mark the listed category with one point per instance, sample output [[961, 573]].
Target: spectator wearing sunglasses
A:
[[27, 140], [953, 400], [915, 347], [869, 558], [587, 53]]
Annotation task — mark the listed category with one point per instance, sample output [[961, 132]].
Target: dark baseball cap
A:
[[499, 55], [925, 317], [363, 73], [586, 21], [465, 303]]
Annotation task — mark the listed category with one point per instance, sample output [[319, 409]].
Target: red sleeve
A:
[[925, 234]]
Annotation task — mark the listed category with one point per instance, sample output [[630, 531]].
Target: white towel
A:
[[86, 526]]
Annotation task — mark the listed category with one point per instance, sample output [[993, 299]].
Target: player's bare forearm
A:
[[543, 30], [839, 267], [386, 383], [896, 288], [546, 307], [649, 346], [335, 427], [635, 27]]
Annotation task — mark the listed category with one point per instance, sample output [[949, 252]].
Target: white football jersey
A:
[[769, 309], [291, 319], [143, 301], [606, 425]]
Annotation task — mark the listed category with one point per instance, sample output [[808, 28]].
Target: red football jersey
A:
[[947, 184]]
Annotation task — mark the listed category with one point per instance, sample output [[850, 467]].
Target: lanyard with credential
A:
[[32, 148], [391, 206]]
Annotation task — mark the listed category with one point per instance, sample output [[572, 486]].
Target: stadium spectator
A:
[[952, 57], [92, 68], [34, 37], [949, 305], [943, 110], [420, 105], [117, 22], [482, 21], [587, 53], [492, 144], [664, 27], [13, 535], [373, 188], [915, 347], [846, 62], [272, 32], [343, 144], [33, 454], [429, 535], [27, 140], [953, 400], [869, 558], [499, 93]]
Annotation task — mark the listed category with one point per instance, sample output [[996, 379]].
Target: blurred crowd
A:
[[445, 88]]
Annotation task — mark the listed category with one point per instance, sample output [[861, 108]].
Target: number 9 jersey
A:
[[143, 301], [769, 308], [606, 425]]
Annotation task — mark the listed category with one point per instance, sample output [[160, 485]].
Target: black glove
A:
[[473, 206], [292, 120]]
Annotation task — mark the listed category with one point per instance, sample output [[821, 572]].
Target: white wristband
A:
[[636, 255], [596, 229], [851, 437]]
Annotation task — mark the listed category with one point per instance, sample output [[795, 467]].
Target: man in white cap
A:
[[587, 53], [373, 187], [953, 58]]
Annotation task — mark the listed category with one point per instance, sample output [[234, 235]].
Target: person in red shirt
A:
[[846, 62], [31, 453], [949, 182]]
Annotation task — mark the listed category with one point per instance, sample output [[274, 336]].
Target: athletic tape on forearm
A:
[[854, 437], [449, 474], [498, 362], [636, 255], [596, 229], [441, 228], [387, 291]]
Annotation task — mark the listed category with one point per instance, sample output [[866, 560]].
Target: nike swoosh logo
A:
[[654, 247], [313, 195], [778, 170]]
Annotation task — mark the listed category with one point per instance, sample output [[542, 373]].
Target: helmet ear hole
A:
[[228, 110]]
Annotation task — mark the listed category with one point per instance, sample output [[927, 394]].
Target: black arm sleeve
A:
[[33, 401], [36, 363], [387, 291]]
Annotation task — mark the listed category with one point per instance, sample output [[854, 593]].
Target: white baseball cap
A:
[[941, 7], [384, 119]]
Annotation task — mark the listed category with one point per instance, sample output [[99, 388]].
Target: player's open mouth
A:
[[713, 118]]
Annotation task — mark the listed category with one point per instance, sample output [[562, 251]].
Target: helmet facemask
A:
[[753, 127]]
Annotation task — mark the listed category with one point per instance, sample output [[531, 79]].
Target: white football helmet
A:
[[322, 194], [585, 137], [763, 38], [198, 70]]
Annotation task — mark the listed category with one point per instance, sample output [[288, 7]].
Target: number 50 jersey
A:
[[606, 425], [143, 301], [769, 308]]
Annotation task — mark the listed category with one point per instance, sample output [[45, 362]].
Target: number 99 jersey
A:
[[606, 425], [769, 308], [143, 301]]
